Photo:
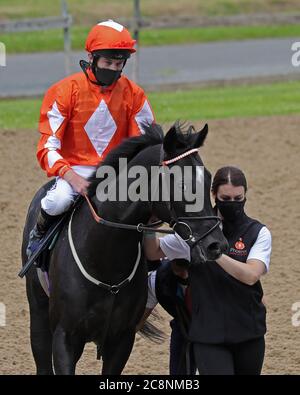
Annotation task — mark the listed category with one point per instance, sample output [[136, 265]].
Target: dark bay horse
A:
[[81, 310]]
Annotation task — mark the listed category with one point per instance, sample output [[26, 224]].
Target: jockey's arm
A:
[[78, 183]]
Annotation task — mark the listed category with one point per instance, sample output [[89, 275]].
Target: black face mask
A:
[[106, 76], [231, 211]]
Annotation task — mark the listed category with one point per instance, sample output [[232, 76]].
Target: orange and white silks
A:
[[80, 122]]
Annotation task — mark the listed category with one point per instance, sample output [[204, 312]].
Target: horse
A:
[[97, 272]]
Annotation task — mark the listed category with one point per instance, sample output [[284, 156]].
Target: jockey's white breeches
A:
[[60, 197]]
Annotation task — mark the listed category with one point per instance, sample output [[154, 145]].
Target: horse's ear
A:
[[170, 140], [200, 137]]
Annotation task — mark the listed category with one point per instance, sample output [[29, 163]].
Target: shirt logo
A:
[[239, 245], [239, 248]]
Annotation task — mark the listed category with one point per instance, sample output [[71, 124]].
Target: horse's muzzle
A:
[[202, 254]]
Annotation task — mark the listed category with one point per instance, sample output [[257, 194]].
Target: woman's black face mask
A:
[[231, 210]]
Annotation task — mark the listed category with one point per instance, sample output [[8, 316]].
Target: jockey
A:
[[83, 117]]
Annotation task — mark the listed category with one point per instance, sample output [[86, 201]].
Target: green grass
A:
[[52, 40], [89, 11], [19, 114], [223, 102], [217, 33], [191, 105]]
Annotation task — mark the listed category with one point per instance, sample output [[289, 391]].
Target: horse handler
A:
[[83, 117], [228, 315]]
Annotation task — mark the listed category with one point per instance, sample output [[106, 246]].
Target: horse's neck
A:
[[126, 212], [130, 211]]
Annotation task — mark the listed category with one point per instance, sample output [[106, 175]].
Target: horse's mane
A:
[[129, 148]]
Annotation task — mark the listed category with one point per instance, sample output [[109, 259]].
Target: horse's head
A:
[[179, 187], [187, 207]]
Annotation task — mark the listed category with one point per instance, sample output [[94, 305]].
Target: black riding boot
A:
[[44, 221]]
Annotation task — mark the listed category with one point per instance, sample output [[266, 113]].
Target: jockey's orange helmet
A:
[[109, 35]]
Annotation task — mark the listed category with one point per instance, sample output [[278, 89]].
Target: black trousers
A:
[[230, 359], [177, 363]]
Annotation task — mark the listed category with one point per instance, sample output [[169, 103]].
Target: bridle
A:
[[175, 221]]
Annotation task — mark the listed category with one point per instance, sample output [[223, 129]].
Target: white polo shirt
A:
[[175, 248]]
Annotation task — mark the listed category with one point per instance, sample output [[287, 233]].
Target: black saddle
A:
[[41, 255]]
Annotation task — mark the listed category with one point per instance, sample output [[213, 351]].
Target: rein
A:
[[140, 227]]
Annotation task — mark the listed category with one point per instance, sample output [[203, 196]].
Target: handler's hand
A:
[[78, 183]]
